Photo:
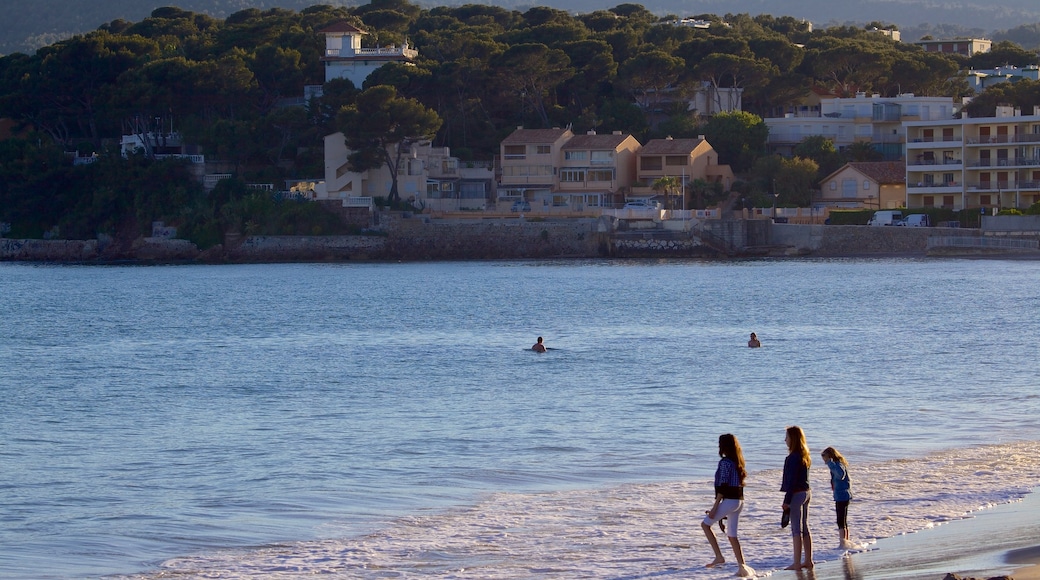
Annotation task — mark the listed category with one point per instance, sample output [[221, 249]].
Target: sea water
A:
[[389, 420]]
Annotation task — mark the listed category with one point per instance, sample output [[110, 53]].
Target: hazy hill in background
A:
[[27, 27]]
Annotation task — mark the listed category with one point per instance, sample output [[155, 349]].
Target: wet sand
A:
[[1004, 540]]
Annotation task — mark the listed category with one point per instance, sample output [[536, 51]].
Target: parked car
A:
[[886, 217], [916, 220], [639, 204], [521, 206]]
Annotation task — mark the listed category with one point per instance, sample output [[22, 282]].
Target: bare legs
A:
[[715, 547], [742, 568], [802, 544]]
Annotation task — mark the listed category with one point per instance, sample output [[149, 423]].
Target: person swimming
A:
[[754, 343], [538, 346]]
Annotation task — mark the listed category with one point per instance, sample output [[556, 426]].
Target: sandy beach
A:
[[1004, 540]]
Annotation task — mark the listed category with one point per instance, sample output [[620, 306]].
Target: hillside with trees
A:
[[42, 22], [234, 87]]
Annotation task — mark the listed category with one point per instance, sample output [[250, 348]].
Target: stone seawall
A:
[[828, 240], [398, 238], [402, 237], [420, 238]]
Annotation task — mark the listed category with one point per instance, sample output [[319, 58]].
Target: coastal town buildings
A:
[[982, 79], [868, 118], [986, 162]]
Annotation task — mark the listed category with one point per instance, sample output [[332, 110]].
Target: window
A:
[[675, 160], [575, 155], [526, 170], [602, 157], [601, 175], [985, 199], [473, 190], [947, 179], [543, 149], [848, 188], [947, 201], [572, 175], [866, 184], [650, 163], [515, 151], [929, 201], [834, 186]]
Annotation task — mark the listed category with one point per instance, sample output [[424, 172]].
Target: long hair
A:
[[834, 455], [730, 447], [796, 444]]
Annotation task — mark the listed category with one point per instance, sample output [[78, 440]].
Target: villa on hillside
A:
[[345, 58]]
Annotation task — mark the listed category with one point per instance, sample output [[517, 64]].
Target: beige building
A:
[[684, 159], [988, 162], [872, 185], [961, 46], [529, 159], [596, 170]]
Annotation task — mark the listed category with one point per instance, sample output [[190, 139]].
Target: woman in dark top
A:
[[729, 502], [795, 486]]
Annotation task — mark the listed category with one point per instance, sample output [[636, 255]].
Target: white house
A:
[[345, 58]]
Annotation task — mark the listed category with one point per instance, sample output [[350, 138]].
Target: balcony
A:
[[1016, 162], [939, 164], [389, 51]]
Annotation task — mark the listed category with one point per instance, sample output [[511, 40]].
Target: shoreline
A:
[[995, 542]]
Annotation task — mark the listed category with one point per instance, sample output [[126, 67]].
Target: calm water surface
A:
[[155, 412]]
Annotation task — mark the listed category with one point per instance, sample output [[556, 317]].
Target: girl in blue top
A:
[[842, 491], [729, 502]]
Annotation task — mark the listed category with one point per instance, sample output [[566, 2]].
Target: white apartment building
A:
[[874, 119], [987, 163], [428, 177]]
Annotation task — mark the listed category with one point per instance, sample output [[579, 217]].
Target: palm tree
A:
[[668, 184]]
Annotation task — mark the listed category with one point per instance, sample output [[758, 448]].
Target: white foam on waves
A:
[[639, 530]]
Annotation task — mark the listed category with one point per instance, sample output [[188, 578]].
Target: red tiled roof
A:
[[882, 172], [670, 146], [534, 136], [600, 142], [342, 26]]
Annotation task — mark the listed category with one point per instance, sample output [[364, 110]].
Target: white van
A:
[[916, 220], [886, 217]]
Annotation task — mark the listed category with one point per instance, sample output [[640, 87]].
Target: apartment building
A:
[[870, 118], [596, 170], [428, 177], [961, 46], [987, 163], [529, 159]]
